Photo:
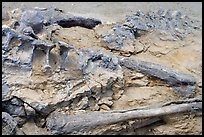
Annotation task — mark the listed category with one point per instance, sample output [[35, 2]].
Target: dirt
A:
[[111, 11], [139, 91]]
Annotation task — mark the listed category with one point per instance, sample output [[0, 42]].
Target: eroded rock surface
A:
[[8, 124]]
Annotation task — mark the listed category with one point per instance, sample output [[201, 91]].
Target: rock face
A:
[[122, 38], [57, 67], [8, 124], [184, 84], [33, 19]]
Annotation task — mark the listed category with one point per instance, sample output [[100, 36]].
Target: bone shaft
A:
[[94, 119], [167, 74], [48, 56]]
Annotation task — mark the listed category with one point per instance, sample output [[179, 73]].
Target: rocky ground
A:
[[65, 71]]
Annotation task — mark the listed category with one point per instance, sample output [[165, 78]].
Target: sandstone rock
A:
[[96, 107], [139, 47], [54, 15]]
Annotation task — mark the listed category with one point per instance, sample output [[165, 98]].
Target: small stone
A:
[[96, 107], [139, 47], [117, 94], [57, 86], [14, 107], [29, 110], [106, 101], [57, 70], [83, 103], [63, 86], [200, 84], [20, 121], [139, 83], [115, 60], [116, 97], [139, 75], [104, 107]]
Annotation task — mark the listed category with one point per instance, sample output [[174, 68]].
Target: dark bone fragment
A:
[[56, 16], [78, 21], [184, 84], [68, 20], [59, 123]]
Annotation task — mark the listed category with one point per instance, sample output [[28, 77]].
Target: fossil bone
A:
[[60, 123]]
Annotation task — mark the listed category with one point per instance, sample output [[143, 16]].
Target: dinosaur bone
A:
[[60, 123], [184, 84]]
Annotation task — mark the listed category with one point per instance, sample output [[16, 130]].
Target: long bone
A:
[[184, 84], [60, 123]]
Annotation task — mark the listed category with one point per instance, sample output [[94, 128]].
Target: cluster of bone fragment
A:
[[174, 23]]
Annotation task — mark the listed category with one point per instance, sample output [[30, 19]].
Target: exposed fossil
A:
[[46, 72]]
